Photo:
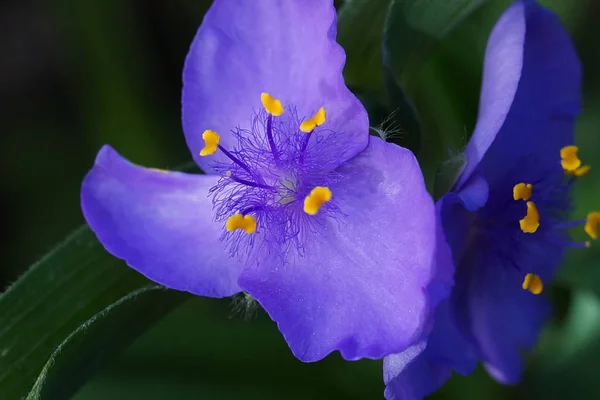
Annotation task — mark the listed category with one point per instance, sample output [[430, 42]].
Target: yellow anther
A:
[[581, 171], [164, 171], [317, 197], [569, 159], [316, 120], [271, 104], [239, 221], [533, 283], [211, 143], [591, 224], [522, 191], [531, 222]]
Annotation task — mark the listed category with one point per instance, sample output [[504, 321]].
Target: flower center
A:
[[530, 222], [276, 180], [513, 227]]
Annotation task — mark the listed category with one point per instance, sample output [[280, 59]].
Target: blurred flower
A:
[[331, 230], [505, 217]]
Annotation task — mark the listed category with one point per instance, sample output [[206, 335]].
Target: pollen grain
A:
[[271, 104], [533, 283], [591, 224], [211, 142], [316, 120], [531, 222], [238, 221], [581, 171], [522, 191], [569, 159], [315, 200]]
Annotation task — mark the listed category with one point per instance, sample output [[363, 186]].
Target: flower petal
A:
[[505, 320], [474, 193], [360, 285], [408, 376], [160, 223], [491, 309], [502, 70], [285, 48], [531, 90], [415, 374]]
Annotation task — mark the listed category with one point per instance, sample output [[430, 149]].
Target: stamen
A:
[[247, 183], [271, 104], [578, 245], [238, 221], [531, 222], [569, 159], [570, 224], [591, 224], [533, 283], [522, 191], [211, 142], [316, 120], [270, 137], [581, 171], [317, 197], [235, 160]]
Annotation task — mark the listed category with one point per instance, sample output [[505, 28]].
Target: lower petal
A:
[[361, 284], [505, 319], [414, 375], [424, 368], [160, 223], [491, 310]]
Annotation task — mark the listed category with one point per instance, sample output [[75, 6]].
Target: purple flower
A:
[[506, 215], [331, 230]]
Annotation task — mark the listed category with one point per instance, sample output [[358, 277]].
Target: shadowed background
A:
[[77, 74]]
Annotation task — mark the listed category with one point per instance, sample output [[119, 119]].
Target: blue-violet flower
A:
[[330, 230], [505, 218]]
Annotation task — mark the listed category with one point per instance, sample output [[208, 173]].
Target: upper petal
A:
[[285, 48], [531, 90], [361, 284], [160, 223]]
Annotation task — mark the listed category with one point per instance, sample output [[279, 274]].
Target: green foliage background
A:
[[78, 74]]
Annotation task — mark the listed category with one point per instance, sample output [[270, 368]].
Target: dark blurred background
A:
[[77, 74]]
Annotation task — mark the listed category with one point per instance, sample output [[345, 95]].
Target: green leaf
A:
[[197, 352], [101, 338], [391, 113], [52, 299], [360, 30], [567, 362], [413, 28], [424, 71]]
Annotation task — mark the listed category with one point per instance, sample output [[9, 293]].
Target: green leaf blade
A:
[[51, 300], [101, 338], [360, 29], [413, 30]]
